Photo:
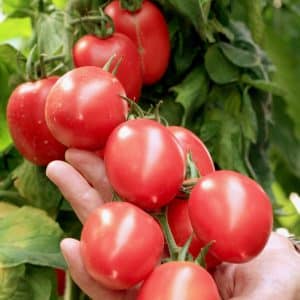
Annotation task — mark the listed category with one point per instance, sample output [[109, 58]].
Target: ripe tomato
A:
[[84, 106], [144, 163], [26, 121], [190, 142], [234, 211], [148, 29], [120, 245], [181, 228], [61, 281], [179, 280], [91, 50]]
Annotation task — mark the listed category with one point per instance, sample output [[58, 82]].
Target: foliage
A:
[[232, 79]]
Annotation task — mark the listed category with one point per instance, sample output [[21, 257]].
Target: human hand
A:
[[83, 182]]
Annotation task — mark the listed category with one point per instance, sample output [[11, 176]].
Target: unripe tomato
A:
[[232, 210], [120, 245], [27, 125], [149, 31], [84, 106], [91, 50]]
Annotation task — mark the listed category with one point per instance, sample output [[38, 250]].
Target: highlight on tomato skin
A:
[[84, 106], [179, 280], [193, 144], [144, 163], [148, 29], [120, 245], [234, 211], [91, 50], [26, 121]]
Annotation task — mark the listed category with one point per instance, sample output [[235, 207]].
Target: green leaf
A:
[[171, 111], [25, 282], [50, 30], [238, 56], [13, 285], [248, 118], [6, 209], [192, 92], [28, 235], [263, 85], [283, 138], [15, 28], [33, 184], [219, 69], [11, 67]]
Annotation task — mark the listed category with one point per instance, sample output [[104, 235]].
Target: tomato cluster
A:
[[122, 244]]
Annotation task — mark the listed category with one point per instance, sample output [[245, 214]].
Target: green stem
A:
[[6, 183], [12, 197], [172, 246], [131, 5], [183, 254]]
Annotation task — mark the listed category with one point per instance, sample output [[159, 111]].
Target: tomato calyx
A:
[[177, 253], [131, 5], [104, 25]]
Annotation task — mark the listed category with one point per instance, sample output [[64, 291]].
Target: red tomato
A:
[[144, 163], [191, 143], [148, 29], [120, 245], [84, 106], [61, 281], [181, 228], [234, 211], [179, 280], [26, 121], [93, 51]]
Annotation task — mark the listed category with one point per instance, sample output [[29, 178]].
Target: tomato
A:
[[84, 106], [232, 210], [91, 50], [144, 163], [61, 281], [120, 245], [148, 29], [181, 228], [191, 143], [27, 125], [179, 280]]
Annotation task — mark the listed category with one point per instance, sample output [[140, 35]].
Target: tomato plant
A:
[[91, 50], [233, 211], [120, 245], [149, 31], [179, 280], [144, 163], [26, 121], [84, 106], [181, 228], [191, 143]]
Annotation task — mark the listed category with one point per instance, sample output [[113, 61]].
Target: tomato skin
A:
[[91, 50], [84, 106], [179, 280], [233, 210], [27, 125], [61, 281], [190, 142], [149, 31], [181, 228], [120, 245], [144, 163]]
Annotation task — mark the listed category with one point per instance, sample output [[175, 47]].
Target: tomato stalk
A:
[[200, 259], [131, 5]]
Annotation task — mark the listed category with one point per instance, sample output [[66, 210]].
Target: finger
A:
[[92, 168], [71, 251], [82, 197]]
